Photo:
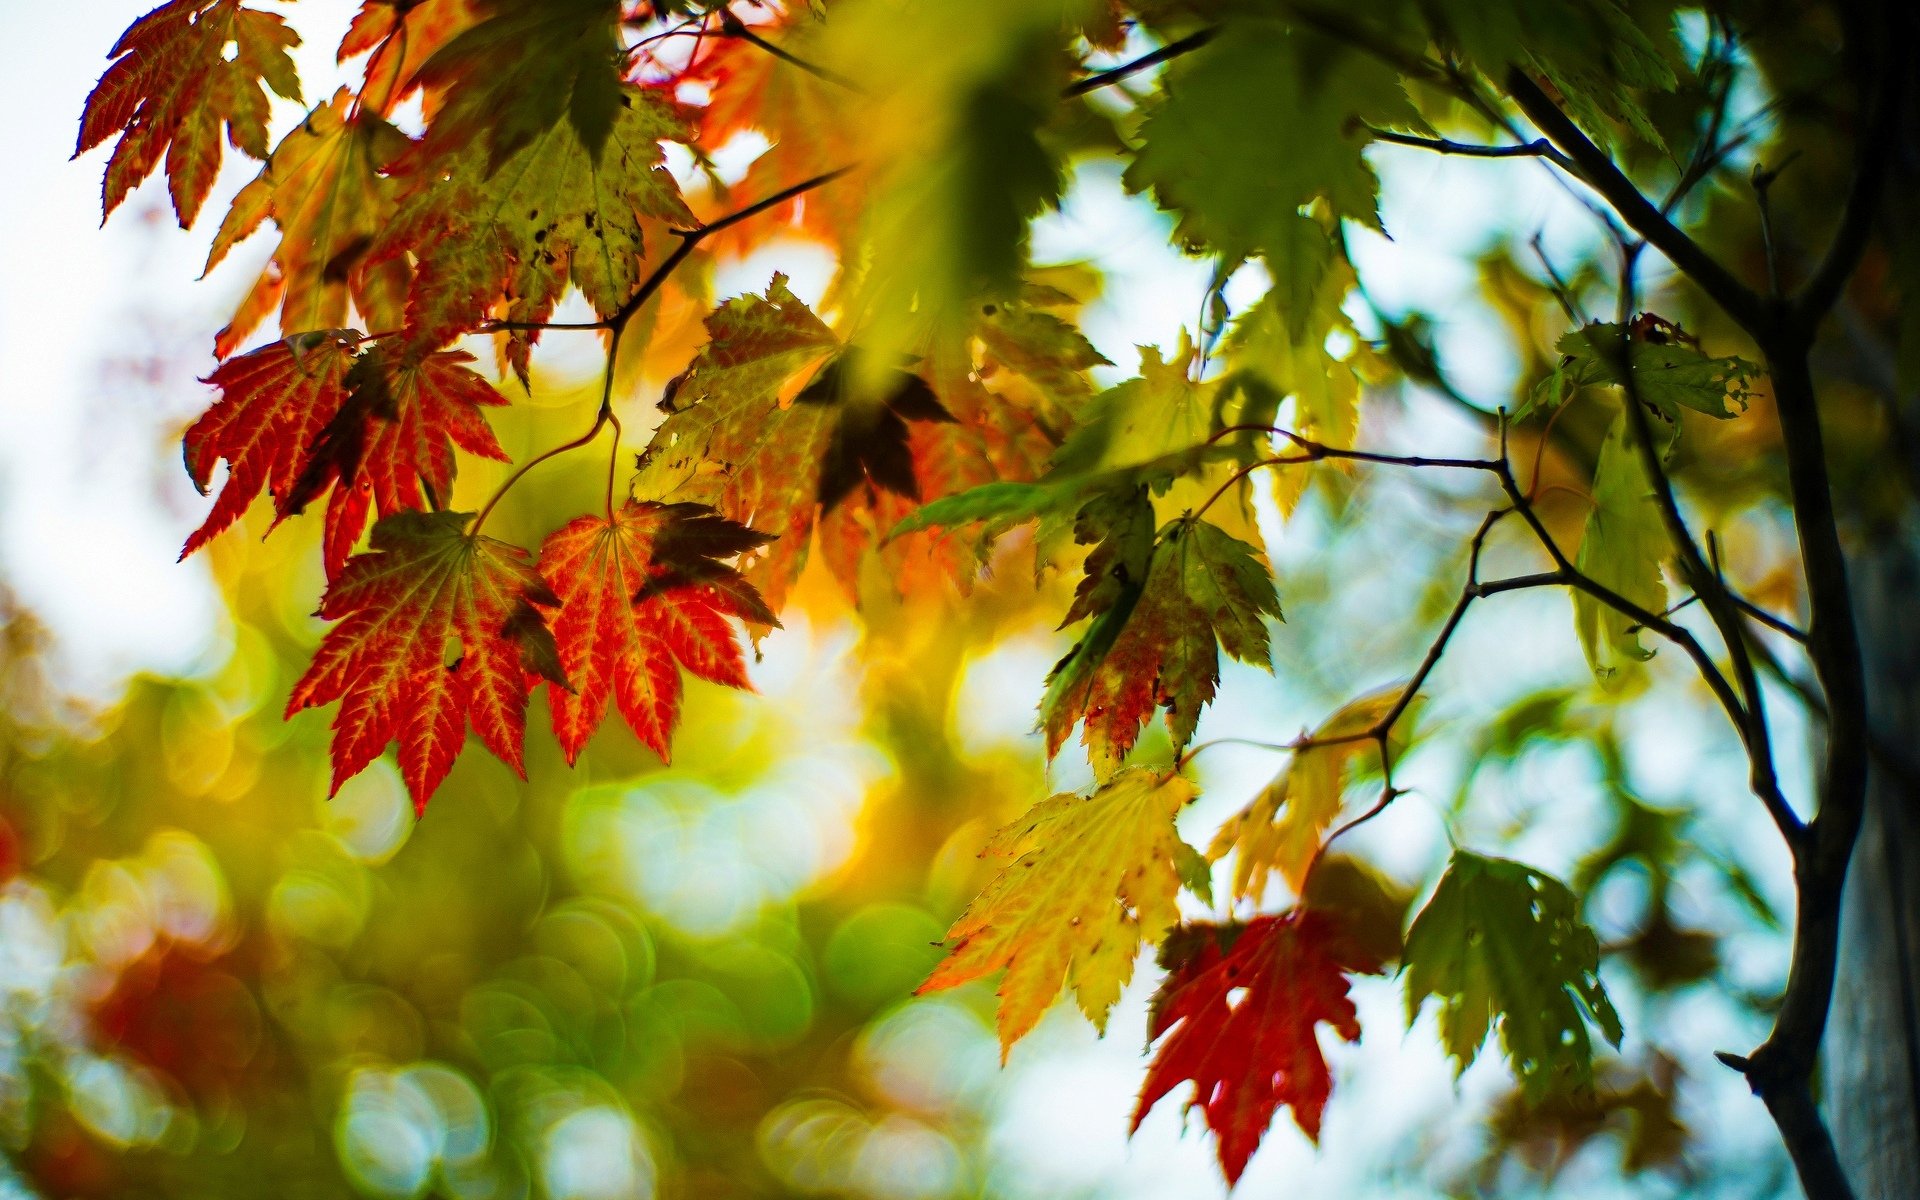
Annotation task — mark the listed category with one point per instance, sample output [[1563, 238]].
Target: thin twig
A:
[[1537, 148], [1174, 49], [733, 27], [1598, 171]]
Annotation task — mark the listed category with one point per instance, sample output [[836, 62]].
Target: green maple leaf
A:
[[1597, 56], [515, 76], [1264, 120], [1623, 546], [1667, 373], [1501, 943]]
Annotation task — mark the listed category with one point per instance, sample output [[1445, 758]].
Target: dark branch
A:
[[1597, 170], [1537, 148], [1174, 49]]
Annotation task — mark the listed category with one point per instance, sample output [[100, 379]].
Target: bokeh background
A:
[[633, 979]]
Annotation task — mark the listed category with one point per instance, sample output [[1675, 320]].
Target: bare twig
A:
[[1173, 49]]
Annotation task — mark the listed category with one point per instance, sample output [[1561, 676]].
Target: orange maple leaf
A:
[[642, 595], [402, 37], [1251, 1053], [273, 405], [427, 586], [171, 87], [325, 190]]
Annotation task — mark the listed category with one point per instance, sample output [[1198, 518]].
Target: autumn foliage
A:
[[933, 416]]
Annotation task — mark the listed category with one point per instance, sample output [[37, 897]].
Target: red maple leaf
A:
[[273, 405], [642, 595], [426, 587], [394, 433], [1239, 1011], [327, 410], [172, 85]]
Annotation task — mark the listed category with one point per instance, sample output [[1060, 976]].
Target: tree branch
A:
[[1597, 171], [1174, 49], [1537, 148]]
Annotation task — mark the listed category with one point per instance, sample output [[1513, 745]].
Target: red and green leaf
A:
[[643, 595], [439, 630], [1156, 643], [513, 236]]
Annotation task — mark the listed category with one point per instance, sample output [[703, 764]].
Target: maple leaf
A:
[[1158, 643], [1092, 878], [1238, 1014], [512, 78], [172, 86], [1281, 830], [555, 211], [401, 35], [1501, 941], [809, 123], [1261, 122], [1623, 546], [391, 438], [427, 587], [641, 596], [1668, 370], [324, 188], [1164, 426], [274, 403], [1011, 382], [765, 429]]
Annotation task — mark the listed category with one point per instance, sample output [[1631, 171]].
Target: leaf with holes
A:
[[1667, 368], [1092, 878], [514, 235], [1502, 943], [642, 596], [1239, 1014], [439, 629]]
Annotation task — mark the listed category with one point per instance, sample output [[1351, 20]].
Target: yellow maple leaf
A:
[[1281, 830], [1095, 877]]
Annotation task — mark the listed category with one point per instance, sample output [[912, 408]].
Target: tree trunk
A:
[[1873, 1047]]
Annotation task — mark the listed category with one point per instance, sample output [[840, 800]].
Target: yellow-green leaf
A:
[[1283, 827], [1094, 877]]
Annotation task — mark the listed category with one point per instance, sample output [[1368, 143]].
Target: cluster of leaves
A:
[[944, 386]]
